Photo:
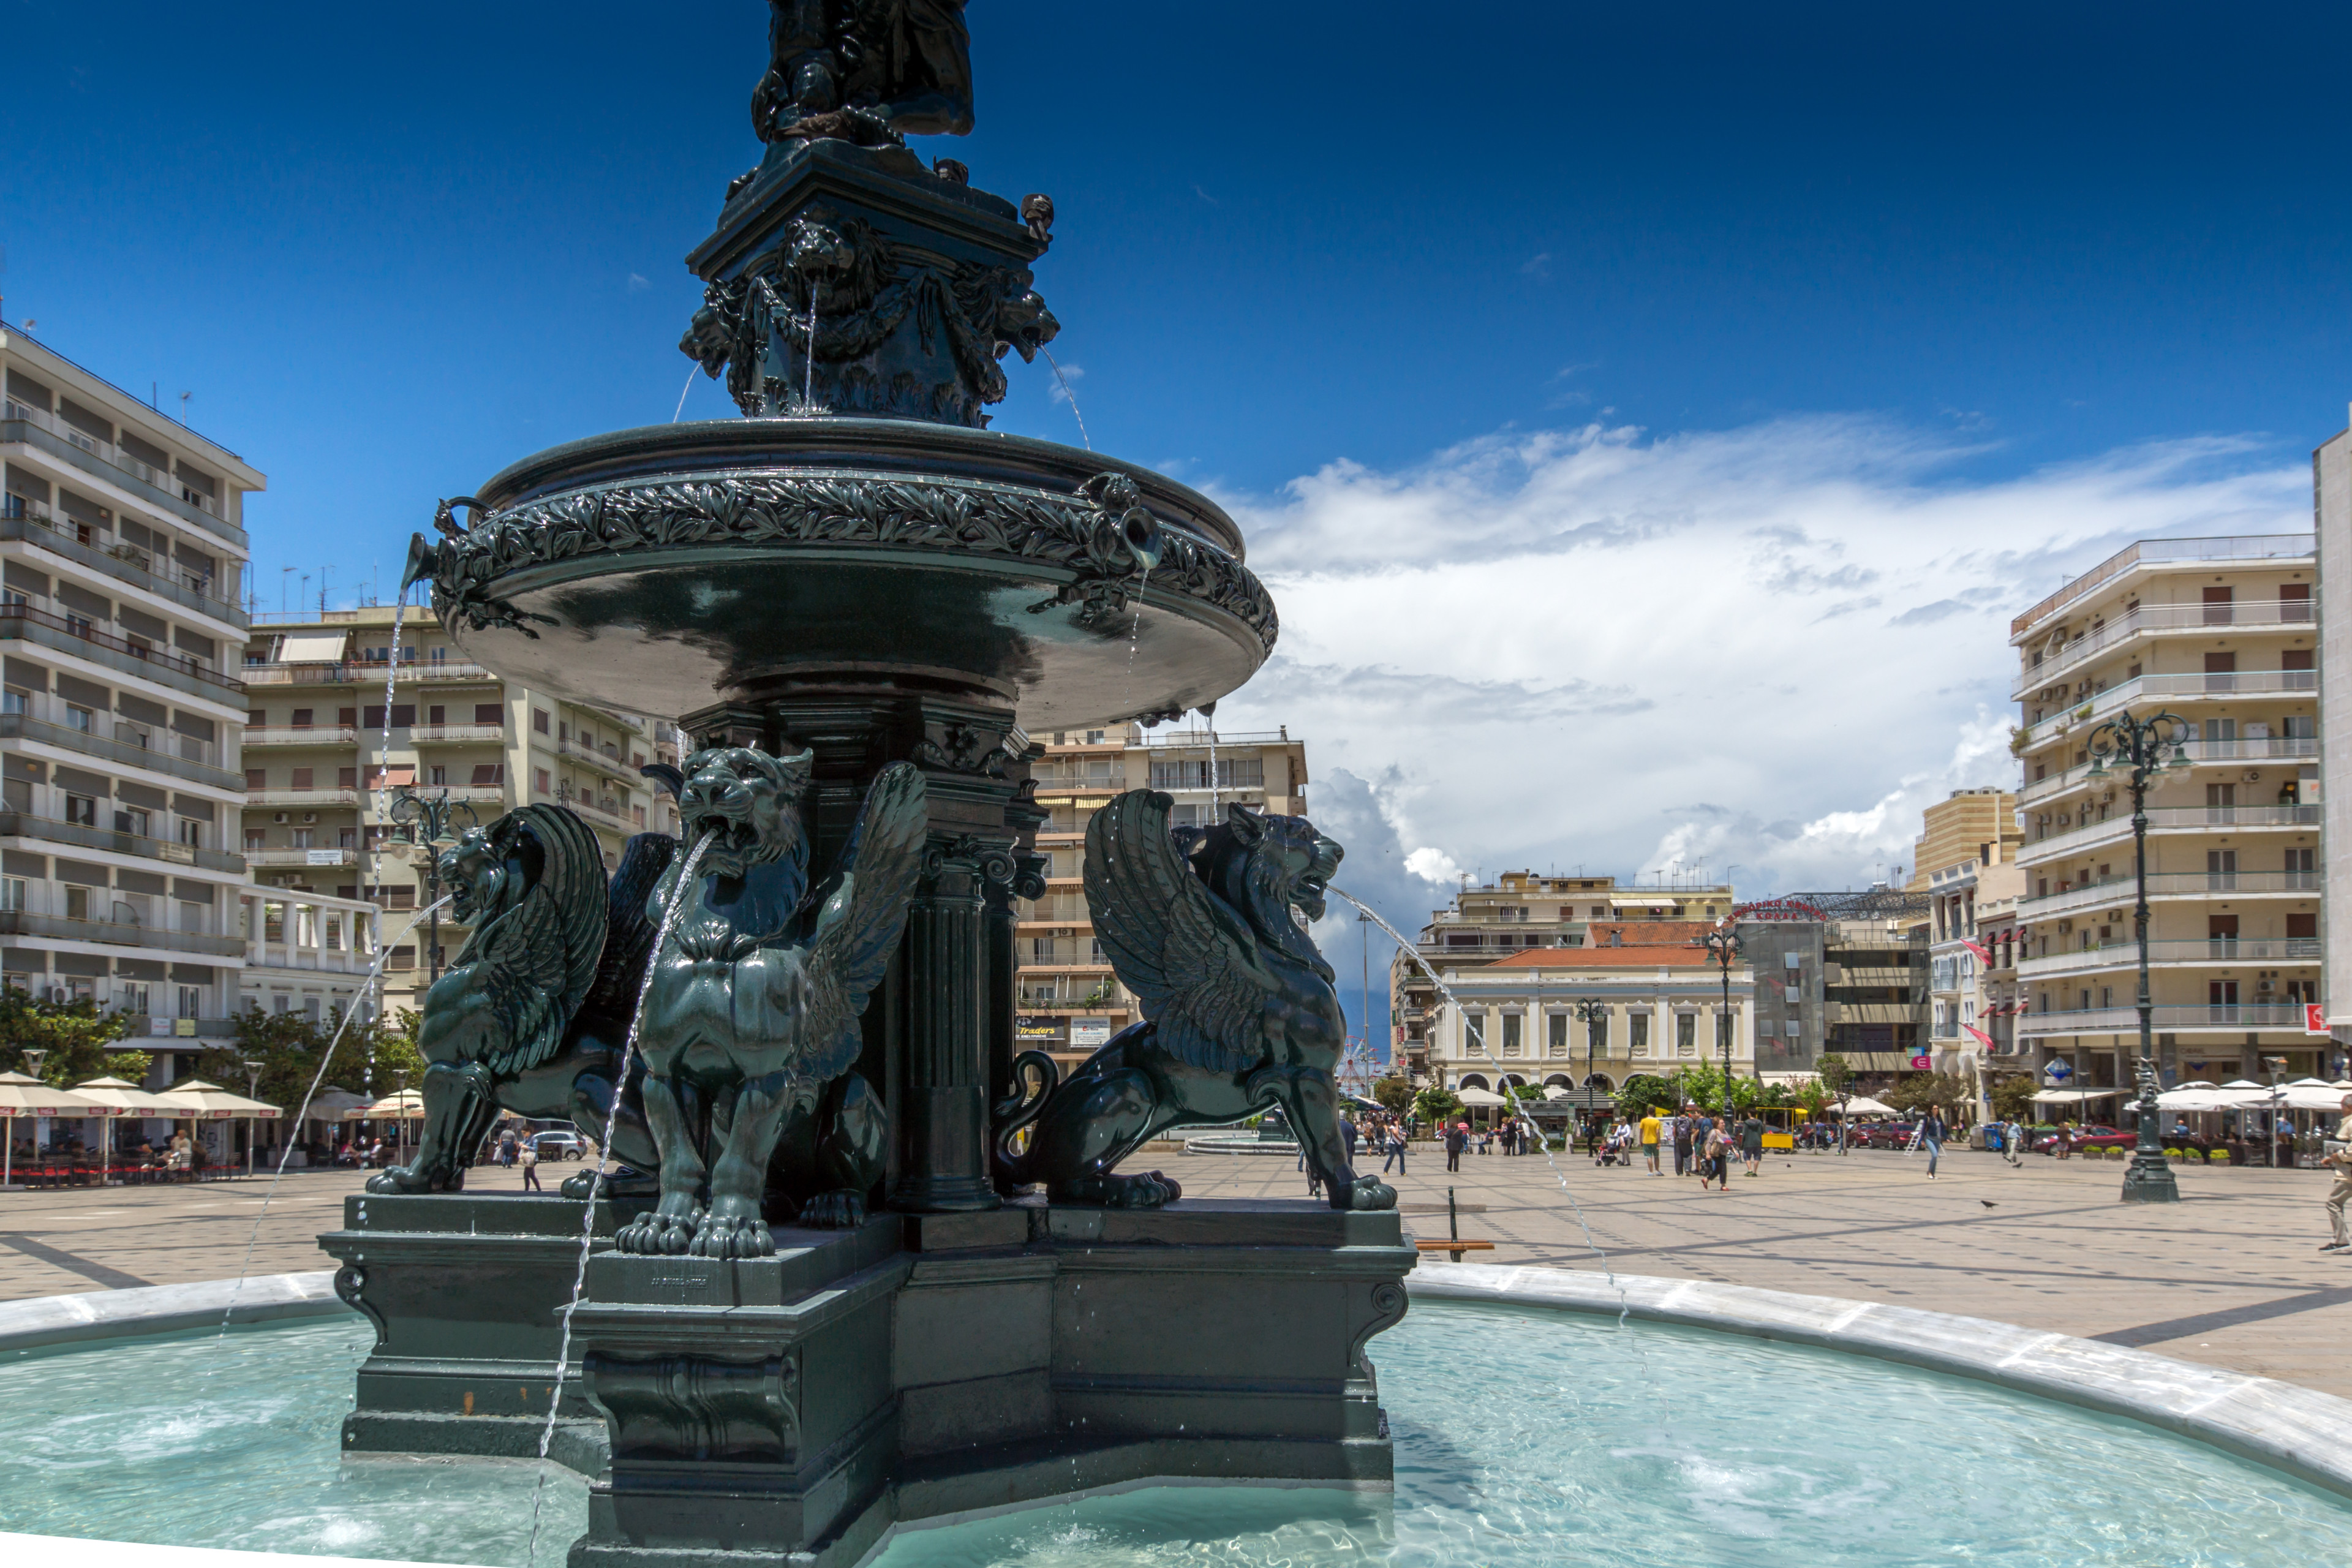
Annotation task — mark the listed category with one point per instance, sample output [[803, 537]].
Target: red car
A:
[[2091, 1135]]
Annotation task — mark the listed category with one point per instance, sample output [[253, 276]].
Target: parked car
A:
[[1887, 1134], [2085, 1137], [565, 1145]]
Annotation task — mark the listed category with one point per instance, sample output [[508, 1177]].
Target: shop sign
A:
[[1086, 1034]]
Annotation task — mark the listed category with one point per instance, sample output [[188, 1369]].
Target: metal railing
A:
[[2122, 1020], [2218, 684], [32, 523], [2118, 890], [338, 857], [28, 825], [273, 795], [2238, 547], [1159, 739], [115, 457], [455, 734], [124, 753], [2274, 748], [119, 933], [2094, 640], [2111, 954], [16, 618], [300, 735], [357, 672], [2175, 819]]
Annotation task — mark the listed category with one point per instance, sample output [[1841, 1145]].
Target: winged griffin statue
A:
[[753, 1009], [1239, 1009], [743, 1095]]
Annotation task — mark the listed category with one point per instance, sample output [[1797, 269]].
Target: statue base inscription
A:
[[920, 1365]]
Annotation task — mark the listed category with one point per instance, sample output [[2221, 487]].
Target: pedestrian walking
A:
[[1457, 1137], [1682, 1128], [2336, 1154], [527, 1156], [1752, 1144], [1349, 1130], [2013, 1141], [1650, 1125], [1396, 1150], [1931, 1137]]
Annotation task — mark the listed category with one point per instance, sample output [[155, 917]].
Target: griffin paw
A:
[[1145, 1192], [402, 1179], [656, 1233], [841, 1210], [622, 1183], [1367, 1193], [733, 1235]]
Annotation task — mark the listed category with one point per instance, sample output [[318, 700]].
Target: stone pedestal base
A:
[[923, 1365]]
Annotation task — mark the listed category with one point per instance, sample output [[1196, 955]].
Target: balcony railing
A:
[[279, 795], [2275, 748], [455, 734], [610, 761], [2088, 644], [25, 824], [268, 672], [2111, 954], [25, 621], [302, 857], [2157, 688], [2171, 819], [33, 523], [118, 933], [117, 457], [300, 735], [125, 753], [2121, 1020], [2243, 547], [2117, 891]]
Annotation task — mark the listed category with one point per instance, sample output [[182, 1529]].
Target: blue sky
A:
[[1923, 307]]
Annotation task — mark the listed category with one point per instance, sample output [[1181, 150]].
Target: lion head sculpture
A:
[[749, 804], [1264, 866]]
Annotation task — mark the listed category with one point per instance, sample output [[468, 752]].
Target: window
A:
[[77, 718], [1040, 949], [82, 809], [301, 778], [437, 774], [191, 832], [437, 715], [1637, 1034], [77, 902], [1685, 1034], [488, 773], [256, 839], [1558, 1029], [348, 718], [347, 778], [403, 716], [1511, 1026], [540, 781], [490, 713], [302, 718], [130, 819], [639, 812], [191, 1001], [15, 701], [193, 916], [133, 995], [334, 933], [300, 837], [401, 958], [539, 720], [12, 893]]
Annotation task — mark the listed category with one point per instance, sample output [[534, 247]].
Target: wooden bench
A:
[[1455, 1244]]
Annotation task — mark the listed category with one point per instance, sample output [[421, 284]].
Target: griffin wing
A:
[[1190, 961], [857, 928], [628, 931], [538, 960]]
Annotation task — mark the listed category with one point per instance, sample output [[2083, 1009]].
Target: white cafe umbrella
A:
[[1479, 1097], [408, 1105], [204, 1101], [25, 1096], [1862, 1105], [120, 1097]]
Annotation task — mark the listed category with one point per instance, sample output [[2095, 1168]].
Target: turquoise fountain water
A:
[[1522, 1437]]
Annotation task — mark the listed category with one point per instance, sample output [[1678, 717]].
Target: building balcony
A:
[[146, 1025], [612, 815], [2169, 885], [2276, 749], [308, 798], [131, 752], [52, 436], [81, 835], [2171, 1019], [2258, 614], [30, 522], [2166, 689], [2125, 954], [278, 735], [265, 858], [2158, 552], [347, 673], [610, 762], [2163, 819], [456, 734], [138, 659], [118, 933]]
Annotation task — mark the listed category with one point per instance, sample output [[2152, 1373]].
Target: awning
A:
[[2072, 1096], [313, 647], [22, 1095], [1479, 1097], [1862, 1105]]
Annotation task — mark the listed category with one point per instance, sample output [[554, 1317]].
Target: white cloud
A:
[[638, 283], [1768, 647], [1063, 375]]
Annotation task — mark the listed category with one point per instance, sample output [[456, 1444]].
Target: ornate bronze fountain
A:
[[823, 1295]]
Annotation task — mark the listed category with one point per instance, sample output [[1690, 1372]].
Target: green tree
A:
[[1395, 1095], [1811, 1095], [1435, 1104], [2013, 1097], [1836, 1074], [1644, 1092], [1916, 1091], [76, 1036], [291, 1046]]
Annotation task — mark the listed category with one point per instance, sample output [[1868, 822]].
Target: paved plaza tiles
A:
[[2229, 1277]]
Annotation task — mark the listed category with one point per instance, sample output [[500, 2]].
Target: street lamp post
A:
[[426, 823], [2140, 745], [1723, 945], [1594, 1011], [252, 1091]]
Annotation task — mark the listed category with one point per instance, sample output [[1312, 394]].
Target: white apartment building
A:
[[1660, 1009], [306, 952], [2331, 478], [319, 781], [1070, 1002], [122, 552], [2223, 632]]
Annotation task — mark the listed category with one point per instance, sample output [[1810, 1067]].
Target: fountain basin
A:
[[1522, 1436], [662, 569]]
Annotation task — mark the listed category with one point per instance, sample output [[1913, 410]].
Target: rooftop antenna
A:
[[322, 591], [184, 408], [284, 572]]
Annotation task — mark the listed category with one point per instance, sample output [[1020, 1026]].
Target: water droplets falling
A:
[[679, 893], [383, 814], [1135, 632], [1066, 393], [808, 360], [1216, 788]]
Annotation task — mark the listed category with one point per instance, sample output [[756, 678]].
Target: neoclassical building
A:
[[1660, 1006]]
